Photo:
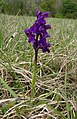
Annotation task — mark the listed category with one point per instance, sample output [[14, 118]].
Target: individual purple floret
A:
[[37, 33]]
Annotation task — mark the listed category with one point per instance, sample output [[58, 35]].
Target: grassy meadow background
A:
[[56, 84]]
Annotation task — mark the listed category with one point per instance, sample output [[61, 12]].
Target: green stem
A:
[[34, 75]]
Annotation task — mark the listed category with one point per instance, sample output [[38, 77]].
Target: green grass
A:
[[56, 84]]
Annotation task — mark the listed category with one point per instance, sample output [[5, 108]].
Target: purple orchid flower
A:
[[37, 33]]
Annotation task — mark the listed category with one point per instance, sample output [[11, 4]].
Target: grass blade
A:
[[8, 88], [1, 39]]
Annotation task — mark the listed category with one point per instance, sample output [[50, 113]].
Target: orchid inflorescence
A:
[[37, 33]]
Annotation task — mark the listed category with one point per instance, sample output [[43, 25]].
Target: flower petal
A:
[[41, 28], [41, 20], [47, 27], [45, 34], [28, 32], [38, 13], [31, 39], [45, 14]]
